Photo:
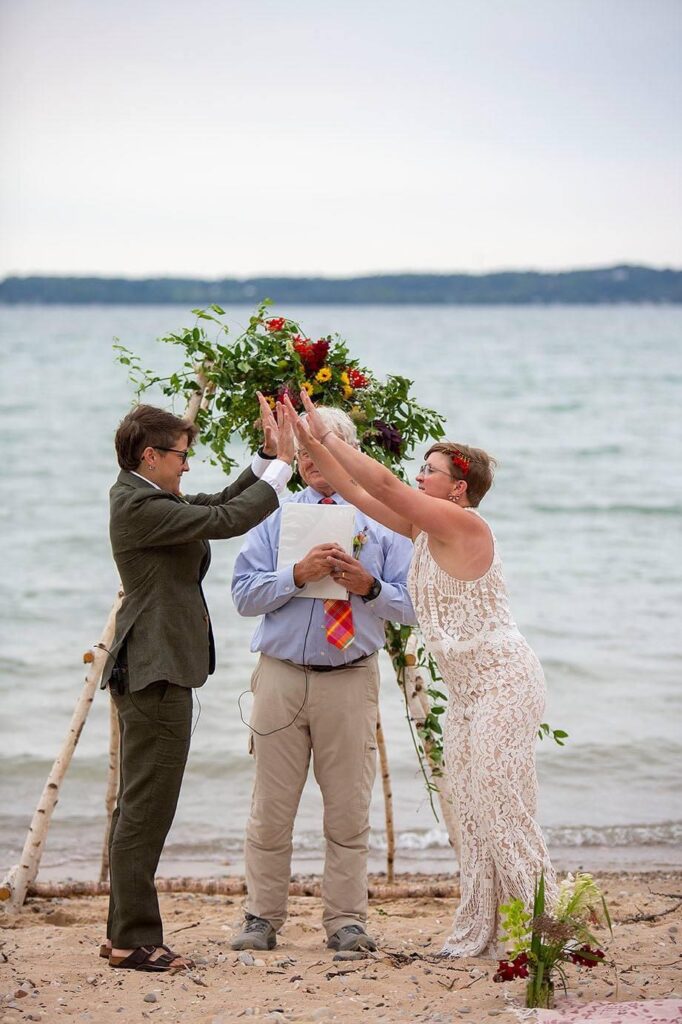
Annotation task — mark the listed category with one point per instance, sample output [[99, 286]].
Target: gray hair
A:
[[338, 421]]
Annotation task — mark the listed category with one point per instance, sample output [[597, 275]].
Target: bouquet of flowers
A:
[[274, 355], [539, 944]]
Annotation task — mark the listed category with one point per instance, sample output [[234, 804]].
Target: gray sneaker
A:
[[351, 936], [257, 933]]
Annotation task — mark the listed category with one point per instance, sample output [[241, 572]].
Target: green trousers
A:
[[156, 725]]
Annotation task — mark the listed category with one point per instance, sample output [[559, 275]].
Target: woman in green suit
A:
[[163, 647]]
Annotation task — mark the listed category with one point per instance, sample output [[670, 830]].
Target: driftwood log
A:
[[439, 888]]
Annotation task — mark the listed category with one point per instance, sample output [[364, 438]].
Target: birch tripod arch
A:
[[211, 389]]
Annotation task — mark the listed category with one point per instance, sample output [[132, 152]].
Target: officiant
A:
[[315, 692]]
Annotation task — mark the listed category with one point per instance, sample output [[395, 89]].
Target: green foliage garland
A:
[[274, 356]]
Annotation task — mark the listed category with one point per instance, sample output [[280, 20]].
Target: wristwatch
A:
[[373, 591]]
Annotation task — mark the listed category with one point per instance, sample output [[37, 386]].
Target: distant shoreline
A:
[[617, 285]]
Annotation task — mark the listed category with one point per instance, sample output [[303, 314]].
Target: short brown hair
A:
[[145, 426], [479, 475]]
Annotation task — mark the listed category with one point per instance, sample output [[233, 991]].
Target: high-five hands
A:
[[316, 424], [278, 437], [301, 428]]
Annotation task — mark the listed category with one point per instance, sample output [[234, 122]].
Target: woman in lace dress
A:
[[495, 682]]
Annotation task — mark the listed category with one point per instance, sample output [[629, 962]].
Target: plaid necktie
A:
[[338, 616]]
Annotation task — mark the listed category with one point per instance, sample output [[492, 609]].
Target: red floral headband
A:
[[461, 460]]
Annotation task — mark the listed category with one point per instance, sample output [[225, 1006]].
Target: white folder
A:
[[305, 526]]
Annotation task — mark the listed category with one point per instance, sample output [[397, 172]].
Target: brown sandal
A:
[[105, 951], [141, 960]]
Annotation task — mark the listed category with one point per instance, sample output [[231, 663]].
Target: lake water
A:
[[581, 406]]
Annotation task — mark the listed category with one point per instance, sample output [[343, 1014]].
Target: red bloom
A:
[[276, 323], [357, 379], [462, 461], [509, 970], [587, 957], [282, 391], [313, 354]]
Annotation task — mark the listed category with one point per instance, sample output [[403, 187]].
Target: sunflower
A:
[[323, 375]]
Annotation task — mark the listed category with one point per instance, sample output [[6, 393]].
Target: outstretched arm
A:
[[441, 519], [335, 474]]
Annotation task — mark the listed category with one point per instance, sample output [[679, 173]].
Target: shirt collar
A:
[[146, 480], [316, 496]]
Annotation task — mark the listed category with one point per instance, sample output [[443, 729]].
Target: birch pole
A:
[[23, 874], [416, 695], [111, 791], [388, 800]]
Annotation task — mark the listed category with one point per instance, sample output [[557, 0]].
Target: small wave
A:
[[609, 510], [667, 833], [599, 449]]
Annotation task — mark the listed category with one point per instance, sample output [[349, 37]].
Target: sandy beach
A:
[[50, 968]]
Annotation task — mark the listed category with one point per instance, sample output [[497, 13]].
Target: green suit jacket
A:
[[160, 545]]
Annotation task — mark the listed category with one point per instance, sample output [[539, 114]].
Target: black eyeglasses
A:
[[183, 454]]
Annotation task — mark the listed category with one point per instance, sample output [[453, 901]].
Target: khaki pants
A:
[[338, 726]]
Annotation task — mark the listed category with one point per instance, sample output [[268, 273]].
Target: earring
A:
[[453, 497]]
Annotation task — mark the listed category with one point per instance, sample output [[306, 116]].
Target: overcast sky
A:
[[237, 137]]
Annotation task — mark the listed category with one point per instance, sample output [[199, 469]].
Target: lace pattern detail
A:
[[496, 692]]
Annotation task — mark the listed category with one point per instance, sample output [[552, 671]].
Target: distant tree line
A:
[[621, 284]]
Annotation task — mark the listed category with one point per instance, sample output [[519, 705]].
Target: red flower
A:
[[276, 323], [462, 461], [313, 354], [587, 957], [282, 391], [508, 970], [357, 379]]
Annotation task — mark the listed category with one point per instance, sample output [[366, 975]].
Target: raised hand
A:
[[268, 425], [317, 425], [300, 427], [285, 436]]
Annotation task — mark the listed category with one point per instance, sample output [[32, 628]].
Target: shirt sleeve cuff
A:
[[277, 473], [260, 462]]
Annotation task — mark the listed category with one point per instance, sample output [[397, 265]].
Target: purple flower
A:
[[388, 437]]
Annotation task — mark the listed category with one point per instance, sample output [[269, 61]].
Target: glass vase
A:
[[540, 994]]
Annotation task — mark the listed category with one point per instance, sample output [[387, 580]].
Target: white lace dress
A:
[[496, 697]]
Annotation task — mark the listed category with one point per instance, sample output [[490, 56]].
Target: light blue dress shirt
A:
[[292, 629]]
